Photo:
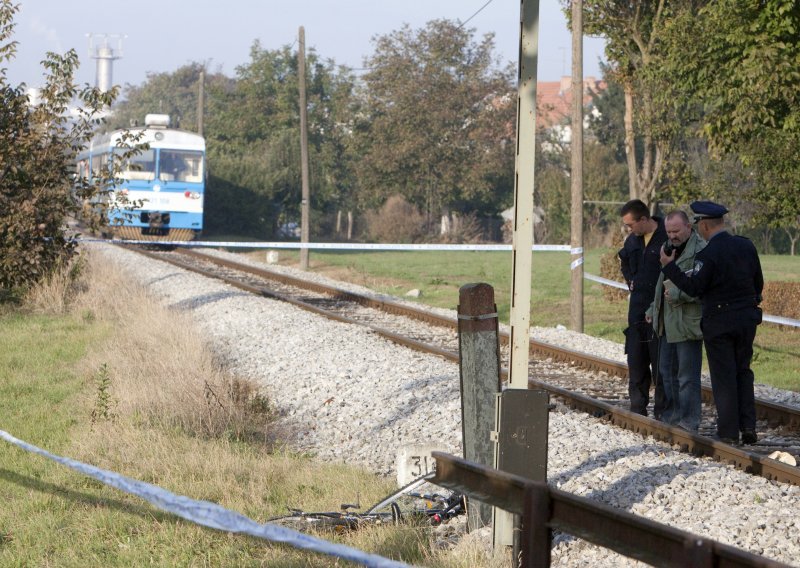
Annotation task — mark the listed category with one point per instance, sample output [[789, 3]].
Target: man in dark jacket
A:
[[639, 260], [728, 280]]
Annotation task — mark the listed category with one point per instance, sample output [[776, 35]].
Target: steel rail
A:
[[775, 414], [538, 347], [259, 291], [688, 442]]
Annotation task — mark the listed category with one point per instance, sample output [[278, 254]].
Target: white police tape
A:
[[380, 246], [781, 320], [766, 317], [606, 281], [328, 246], [210, 514]]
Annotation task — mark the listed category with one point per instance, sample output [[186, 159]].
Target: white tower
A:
[[101, 48]]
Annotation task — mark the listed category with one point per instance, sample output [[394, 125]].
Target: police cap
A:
[[707, 210]]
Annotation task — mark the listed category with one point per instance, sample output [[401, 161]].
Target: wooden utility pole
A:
[[576, 177], [200, 101], [306, 198]]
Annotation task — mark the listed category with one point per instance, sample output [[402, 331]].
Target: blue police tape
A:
[[781, 320], [210, 514]]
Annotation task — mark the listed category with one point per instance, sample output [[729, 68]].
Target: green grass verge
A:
[[53, 516]]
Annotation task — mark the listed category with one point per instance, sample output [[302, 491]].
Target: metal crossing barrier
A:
[[544, 509]]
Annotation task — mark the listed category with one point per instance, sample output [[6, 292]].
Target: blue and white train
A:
[[159, 192]]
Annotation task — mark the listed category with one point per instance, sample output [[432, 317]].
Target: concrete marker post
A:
[[479, 366]]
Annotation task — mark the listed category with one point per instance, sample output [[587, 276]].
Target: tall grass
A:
[[53, 294], [160, 369], [124, 384]]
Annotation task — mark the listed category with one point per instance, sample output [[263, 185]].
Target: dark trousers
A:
[[641, 347], [729, 339]]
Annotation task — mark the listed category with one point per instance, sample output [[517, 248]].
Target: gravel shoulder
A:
[[347, 395]]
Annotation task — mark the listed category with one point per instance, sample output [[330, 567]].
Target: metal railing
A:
[[544, 509]]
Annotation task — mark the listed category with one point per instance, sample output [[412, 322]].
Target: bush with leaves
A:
[[397, 221], [38, 145]]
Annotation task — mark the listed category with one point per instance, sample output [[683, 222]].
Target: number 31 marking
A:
[[421, 465]]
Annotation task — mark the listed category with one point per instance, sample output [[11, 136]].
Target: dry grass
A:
[[54, 294], [159, 369], [154, 405]]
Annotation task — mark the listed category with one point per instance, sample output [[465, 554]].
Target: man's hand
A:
[[666, 259]]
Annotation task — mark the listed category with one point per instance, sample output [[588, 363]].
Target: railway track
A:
[[590, 384]]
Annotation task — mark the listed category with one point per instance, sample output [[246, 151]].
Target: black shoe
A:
[[749, 436], [726, 440]]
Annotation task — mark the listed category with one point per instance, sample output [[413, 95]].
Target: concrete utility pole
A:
[[576, 224], [522, 243], [306, 200], [479, 366], [523, 196]]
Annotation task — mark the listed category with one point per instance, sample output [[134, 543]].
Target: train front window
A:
[[181, 165], [140, 167]]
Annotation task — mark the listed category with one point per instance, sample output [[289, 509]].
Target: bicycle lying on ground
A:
[[406, 505]]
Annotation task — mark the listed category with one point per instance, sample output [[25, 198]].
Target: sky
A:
[[162, 35]]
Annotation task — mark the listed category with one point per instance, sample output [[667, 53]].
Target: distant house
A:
[[554, 104]]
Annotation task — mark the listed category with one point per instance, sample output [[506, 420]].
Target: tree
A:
[[268, 85], [437, 121], [38, 146], [174, 93], [252, 133], [655, 117], [607, 125], [745, 75]]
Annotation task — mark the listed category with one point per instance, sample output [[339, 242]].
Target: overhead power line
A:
[[464, 23]]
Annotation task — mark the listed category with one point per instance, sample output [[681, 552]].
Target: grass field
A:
[[439, 275], [119, 382]]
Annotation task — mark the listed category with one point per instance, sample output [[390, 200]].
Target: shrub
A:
[[398, 221], [38, 145], [466, 228], [610, 268], [782, 299]]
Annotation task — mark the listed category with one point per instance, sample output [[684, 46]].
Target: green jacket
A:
[[679, 318]]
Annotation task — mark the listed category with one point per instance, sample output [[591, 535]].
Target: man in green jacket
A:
[[676, 320]]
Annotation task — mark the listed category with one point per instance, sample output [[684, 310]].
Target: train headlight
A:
[[191, 194]]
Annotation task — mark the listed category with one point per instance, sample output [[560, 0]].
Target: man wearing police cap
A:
[[727, 278]]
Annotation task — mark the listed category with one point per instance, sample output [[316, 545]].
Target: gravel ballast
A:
[[348, 395]]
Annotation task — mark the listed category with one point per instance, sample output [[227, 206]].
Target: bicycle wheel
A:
[[421, 501], [405, 490], [332, 522], [301, 522]]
